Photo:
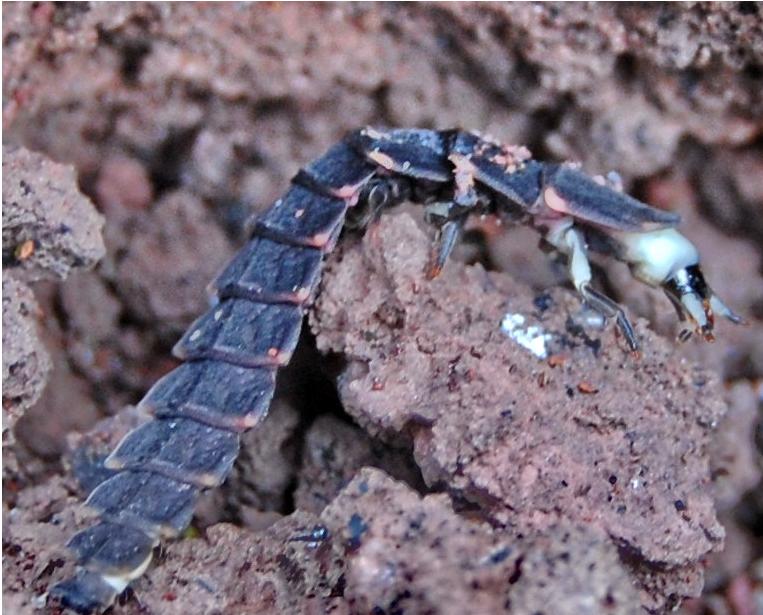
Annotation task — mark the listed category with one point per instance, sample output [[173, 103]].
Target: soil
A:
[[416, 459]]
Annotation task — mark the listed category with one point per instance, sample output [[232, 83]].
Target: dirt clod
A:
[[25, 361], [483, 426], [49, 229], [47, 223]]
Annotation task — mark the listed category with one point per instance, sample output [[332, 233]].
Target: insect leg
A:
[[447, 238], [719, 307], [569, 240], [611, 309], [449, 219], [424, 156], [377, 195]]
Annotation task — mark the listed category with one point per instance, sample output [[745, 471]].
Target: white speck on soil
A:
[[532, 337]]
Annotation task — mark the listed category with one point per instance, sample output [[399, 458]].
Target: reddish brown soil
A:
[[592, 482]]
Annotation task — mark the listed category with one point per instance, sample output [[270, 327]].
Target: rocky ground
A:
[[416, 458]]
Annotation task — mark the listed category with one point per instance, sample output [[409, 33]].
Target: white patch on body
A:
[[657, 255], [120, 581]]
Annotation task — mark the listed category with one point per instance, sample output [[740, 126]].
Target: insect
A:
[[232, 352]]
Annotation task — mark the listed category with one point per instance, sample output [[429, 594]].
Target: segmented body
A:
[[232, 352]]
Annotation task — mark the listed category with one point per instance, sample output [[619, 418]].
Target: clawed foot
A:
[[447, 238], [610, 309]]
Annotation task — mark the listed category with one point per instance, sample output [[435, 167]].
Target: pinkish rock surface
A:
[[48, 224], [604, 439], [409, 554], [167, 257], [26, 363], [49, 229]]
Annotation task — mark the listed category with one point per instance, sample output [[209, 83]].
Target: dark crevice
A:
[[232, 215], [748, 8], [525, 78], [309, 384], [626, 68], [132, 50], [312, 394], [275, 105], [133, 54], [380, 96], [544, 121], [165, 164], [753, 71]]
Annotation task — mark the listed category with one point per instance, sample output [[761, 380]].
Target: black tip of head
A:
[[687, 281]]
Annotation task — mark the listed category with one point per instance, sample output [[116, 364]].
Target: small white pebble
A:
[[195, 335], [534, 338]]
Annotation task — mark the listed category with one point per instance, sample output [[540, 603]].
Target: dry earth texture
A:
[[443, 467]]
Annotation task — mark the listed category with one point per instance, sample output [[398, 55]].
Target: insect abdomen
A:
[[224, 388]]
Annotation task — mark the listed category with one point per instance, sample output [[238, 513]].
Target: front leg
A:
[[569, 241], [449, 219], [377, 195]]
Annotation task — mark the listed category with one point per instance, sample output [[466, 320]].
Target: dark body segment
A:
[[181, 449], [521, 186], [111, 548], [244, 333], [499, 168], [226, 387], [151, 503], [270, 272], [85, 592], [303, 217], [598, 204], [214, 393], [340, 172], [422, 154]]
